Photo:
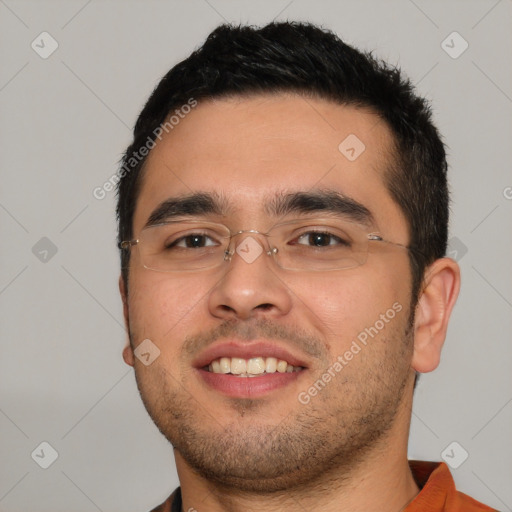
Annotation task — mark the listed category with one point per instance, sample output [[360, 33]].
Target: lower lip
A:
[[247, 387]]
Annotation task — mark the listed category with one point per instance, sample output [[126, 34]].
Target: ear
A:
[[439, 292], [127, 350]]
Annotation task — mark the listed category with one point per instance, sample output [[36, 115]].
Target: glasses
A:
[[303, 245]]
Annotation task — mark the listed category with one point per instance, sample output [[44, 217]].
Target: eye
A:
[[193, 241], [320, 239]]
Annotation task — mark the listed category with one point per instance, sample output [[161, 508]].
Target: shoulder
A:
[[438, 492], [171, 504], [461, 501]]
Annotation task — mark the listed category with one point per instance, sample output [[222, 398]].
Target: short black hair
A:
[[302, 58]]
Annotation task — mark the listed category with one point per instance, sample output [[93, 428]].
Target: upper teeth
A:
[[251, 367]]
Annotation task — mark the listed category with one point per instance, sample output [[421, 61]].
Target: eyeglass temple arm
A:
[[126, 244]]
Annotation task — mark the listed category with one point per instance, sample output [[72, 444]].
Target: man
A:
[[283, 214]]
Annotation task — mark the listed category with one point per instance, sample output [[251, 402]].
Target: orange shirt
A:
[[438, 493]]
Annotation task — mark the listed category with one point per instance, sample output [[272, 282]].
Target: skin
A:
[[347, 448]]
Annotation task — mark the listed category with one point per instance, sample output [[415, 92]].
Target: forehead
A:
[[249, 150]]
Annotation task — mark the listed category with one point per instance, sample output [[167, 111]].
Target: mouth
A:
[[248, 370], [253, 367]]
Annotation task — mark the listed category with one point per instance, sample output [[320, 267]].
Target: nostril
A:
[[265, 306]]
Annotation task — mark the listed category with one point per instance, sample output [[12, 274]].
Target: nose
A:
[[251, 286]]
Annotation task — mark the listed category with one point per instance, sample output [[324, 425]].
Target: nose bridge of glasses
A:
[[247, 241]]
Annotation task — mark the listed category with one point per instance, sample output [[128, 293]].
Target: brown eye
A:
[[194, 241], [320, 239]]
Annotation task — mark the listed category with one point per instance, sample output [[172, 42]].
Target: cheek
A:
[[163, 308], [343, 304]]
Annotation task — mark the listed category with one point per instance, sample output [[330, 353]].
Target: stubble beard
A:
[[331, 435]]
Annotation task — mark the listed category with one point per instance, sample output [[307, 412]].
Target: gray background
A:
[[65, 121]]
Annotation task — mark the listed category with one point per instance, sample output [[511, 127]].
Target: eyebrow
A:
[[325, 201], [298, 203], [193, 205]]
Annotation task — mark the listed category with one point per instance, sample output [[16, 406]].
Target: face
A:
[[341, 337]]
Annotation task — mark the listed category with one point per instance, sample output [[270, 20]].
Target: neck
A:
[[386, 491], [382, 480]]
